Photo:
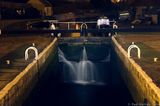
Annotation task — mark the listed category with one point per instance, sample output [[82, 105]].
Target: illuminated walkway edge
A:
[[15, 92], [140, 85]]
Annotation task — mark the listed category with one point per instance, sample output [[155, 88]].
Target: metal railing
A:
[[70, 23], [69, 29]]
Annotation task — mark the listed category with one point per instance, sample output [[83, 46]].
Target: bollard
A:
[[33, 44], [52, 27], [59, 35], [155, 59], [8, 62], [109, 34]]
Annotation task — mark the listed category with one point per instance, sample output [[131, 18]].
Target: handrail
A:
[[35, 51], [84, 24], [76, 22], [134, 46]]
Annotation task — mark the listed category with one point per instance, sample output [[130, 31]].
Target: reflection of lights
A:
[[155, 59], [20, 12], [59, 35], [124, 14], [8, 62], [52, 27], [103, 21], [132, 26], [85, 40], [81, 82], [122, 1], [116, 1]]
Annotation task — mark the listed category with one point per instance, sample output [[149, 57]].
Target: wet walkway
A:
[[149, 43], [12, 51]]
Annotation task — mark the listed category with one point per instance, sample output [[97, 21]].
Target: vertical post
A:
[[68, 26], [52, 27], [115, 27], [27, 26]]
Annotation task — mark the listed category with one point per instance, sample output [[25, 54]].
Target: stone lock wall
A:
[[138, 82], [15, 92]]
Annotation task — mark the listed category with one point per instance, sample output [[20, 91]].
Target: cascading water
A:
[[86, 69], [83, 71], [68, 64]]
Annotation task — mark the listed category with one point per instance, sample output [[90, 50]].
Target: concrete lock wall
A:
[[138, 82], [15, 92]]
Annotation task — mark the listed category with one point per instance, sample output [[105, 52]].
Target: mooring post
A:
[[155, 59], [136, 47], [52, 27]]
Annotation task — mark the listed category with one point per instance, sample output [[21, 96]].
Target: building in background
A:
[[43, 6], [14, 10], [25, 9]]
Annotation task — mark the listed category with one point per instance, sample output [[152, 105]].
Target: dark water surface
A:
[[108, 90]]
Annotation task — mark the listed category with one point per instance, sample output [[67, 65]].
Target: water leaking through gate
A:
[[69, 83], [83, 71], [88, 65]]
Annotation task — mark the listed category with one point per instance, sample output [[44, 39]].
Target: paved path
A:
[[149, 44], [13, 48]]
